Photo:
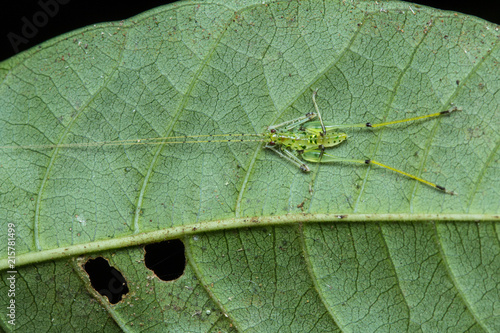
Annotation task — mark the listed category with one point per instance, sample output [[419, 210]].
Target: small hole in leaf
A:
[[166, 259], [106, 280]]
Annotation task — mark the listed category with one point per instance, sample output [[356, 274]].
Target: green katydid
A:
[[307, 137]]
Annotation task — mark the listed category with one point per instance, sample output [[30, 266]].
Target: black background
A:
[[79, 13]]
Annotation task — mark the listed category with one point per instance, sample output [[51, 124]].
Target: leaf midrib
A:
[[233, 223]]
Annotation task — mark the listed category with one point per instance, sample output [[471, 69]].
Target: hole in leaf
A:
[[166, 259], [106, 280]]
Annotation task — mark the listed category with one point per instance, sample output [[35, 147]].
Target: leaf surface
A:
[[346, 247]]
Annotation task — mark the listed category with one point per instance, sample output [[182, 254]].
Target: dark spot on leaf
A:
[[166, 259], [106, 280]]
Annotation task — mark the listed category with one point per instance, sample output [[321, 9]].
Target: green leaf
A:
[[269, 248]]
